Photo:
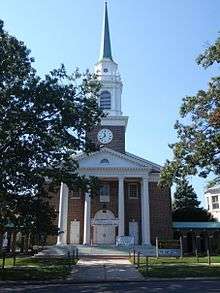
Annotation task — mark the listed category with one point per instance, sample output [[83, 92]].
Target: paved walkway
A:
[[99, 270]]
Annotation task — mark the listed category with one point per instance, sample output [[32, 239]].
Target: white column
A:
[[145, 212], [87, 215], [63, 214], [121, 207]]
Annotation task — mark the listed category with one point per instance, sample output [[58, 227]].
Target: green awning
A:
[[196, 225]]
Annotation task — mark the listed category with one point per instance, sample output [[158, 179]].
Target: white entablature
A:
[[108, 163]]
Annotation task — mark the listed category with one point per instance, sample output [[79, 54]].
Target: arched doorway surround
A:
[[104, 227]]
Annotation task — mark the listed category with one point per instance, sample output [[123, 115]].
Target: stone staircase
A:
[[99, 251], [55, 251]]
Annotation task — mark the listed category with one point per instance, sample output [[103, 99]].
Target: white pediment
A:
[[107, 158]]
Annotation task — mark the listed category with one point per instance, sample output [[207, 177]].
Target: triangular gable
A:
[[106, 157]]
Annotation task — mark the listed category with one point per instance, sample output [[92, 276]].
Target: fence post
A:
[[138, 259], [181, 247], [14, 259], [157, 248], [209, 258], [147, 264], [134, 260], [3, 260], [73, 253]]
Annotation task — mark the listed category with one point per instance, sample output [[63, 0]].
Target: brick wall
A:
[[118, 141], [76, 212], [160, 212], [96, 205], [132, 209]]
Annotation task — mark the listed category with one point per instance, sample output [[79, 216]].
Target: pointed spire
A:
[[105, 51]]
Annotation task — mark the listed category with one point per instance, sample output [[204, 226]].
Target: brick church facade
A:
[[130, 202]]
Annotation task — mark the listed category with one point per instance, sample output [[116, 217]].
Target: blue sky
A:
[[155, 43]]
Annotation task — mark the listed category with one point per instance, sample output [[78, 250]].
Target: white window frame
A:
[[129, 190], [214, 198], [215, 206], [105, 100], [104, 197]]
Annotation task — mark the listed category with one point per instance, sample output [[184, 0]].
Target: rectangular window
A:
[[132, 190], [105, 193], [75, 193], [215, 198], [105, 100], [215, 206]]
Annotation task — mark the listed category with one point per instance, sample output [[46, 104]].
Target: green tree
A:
[[185, 196], [186, 205], [197, 150], [43, 124], [192, 215]]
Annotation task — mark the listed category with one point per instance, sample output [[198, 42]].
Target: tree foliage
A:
[[186, 205], [197, 150], [192, 215], [43, 124], [185, 196]]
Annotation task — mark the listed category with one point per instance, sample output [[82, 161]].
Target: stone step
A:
[[97, 251]]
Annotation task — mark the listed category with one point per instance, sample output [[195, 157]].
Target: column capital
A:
[[121, 177], [145, 177]]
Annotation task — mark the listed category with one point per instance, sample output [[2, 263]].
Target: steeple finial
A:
[[105, 51]]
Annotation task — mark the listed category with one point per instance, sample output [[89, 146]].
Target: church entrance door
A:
[[104, 229]]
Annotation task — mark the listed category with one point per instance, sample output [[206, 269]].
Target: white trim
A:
[[115, 121], [154, 177], [158, 167], [113, 172]]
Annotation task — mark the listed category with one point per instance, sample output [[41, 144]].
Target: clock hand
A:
[[104, 135]]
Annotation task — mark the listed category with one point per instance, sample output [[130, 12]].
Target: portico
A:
[[123, 172]]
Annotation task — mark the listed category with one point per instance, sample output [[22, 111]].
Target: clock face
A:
[[105, 136]]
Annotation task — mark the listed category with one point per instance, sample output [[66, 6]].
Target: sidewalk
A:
[[98, 270]]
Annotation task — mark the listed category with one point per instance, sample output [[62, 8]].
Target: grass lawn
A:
[[170, 267], [36, 269]]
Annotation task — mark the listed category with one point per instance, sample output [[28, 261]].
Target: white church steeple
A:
[[107, 72]]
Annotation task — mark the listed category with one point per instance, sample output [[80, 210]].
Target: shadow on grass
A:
[[180, 271], [36, 269]]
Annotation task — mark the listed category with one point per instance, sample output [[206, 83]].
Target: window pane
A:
[[133, 190], [105, 193], [215, 198], [215, 206], [105, 100]]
